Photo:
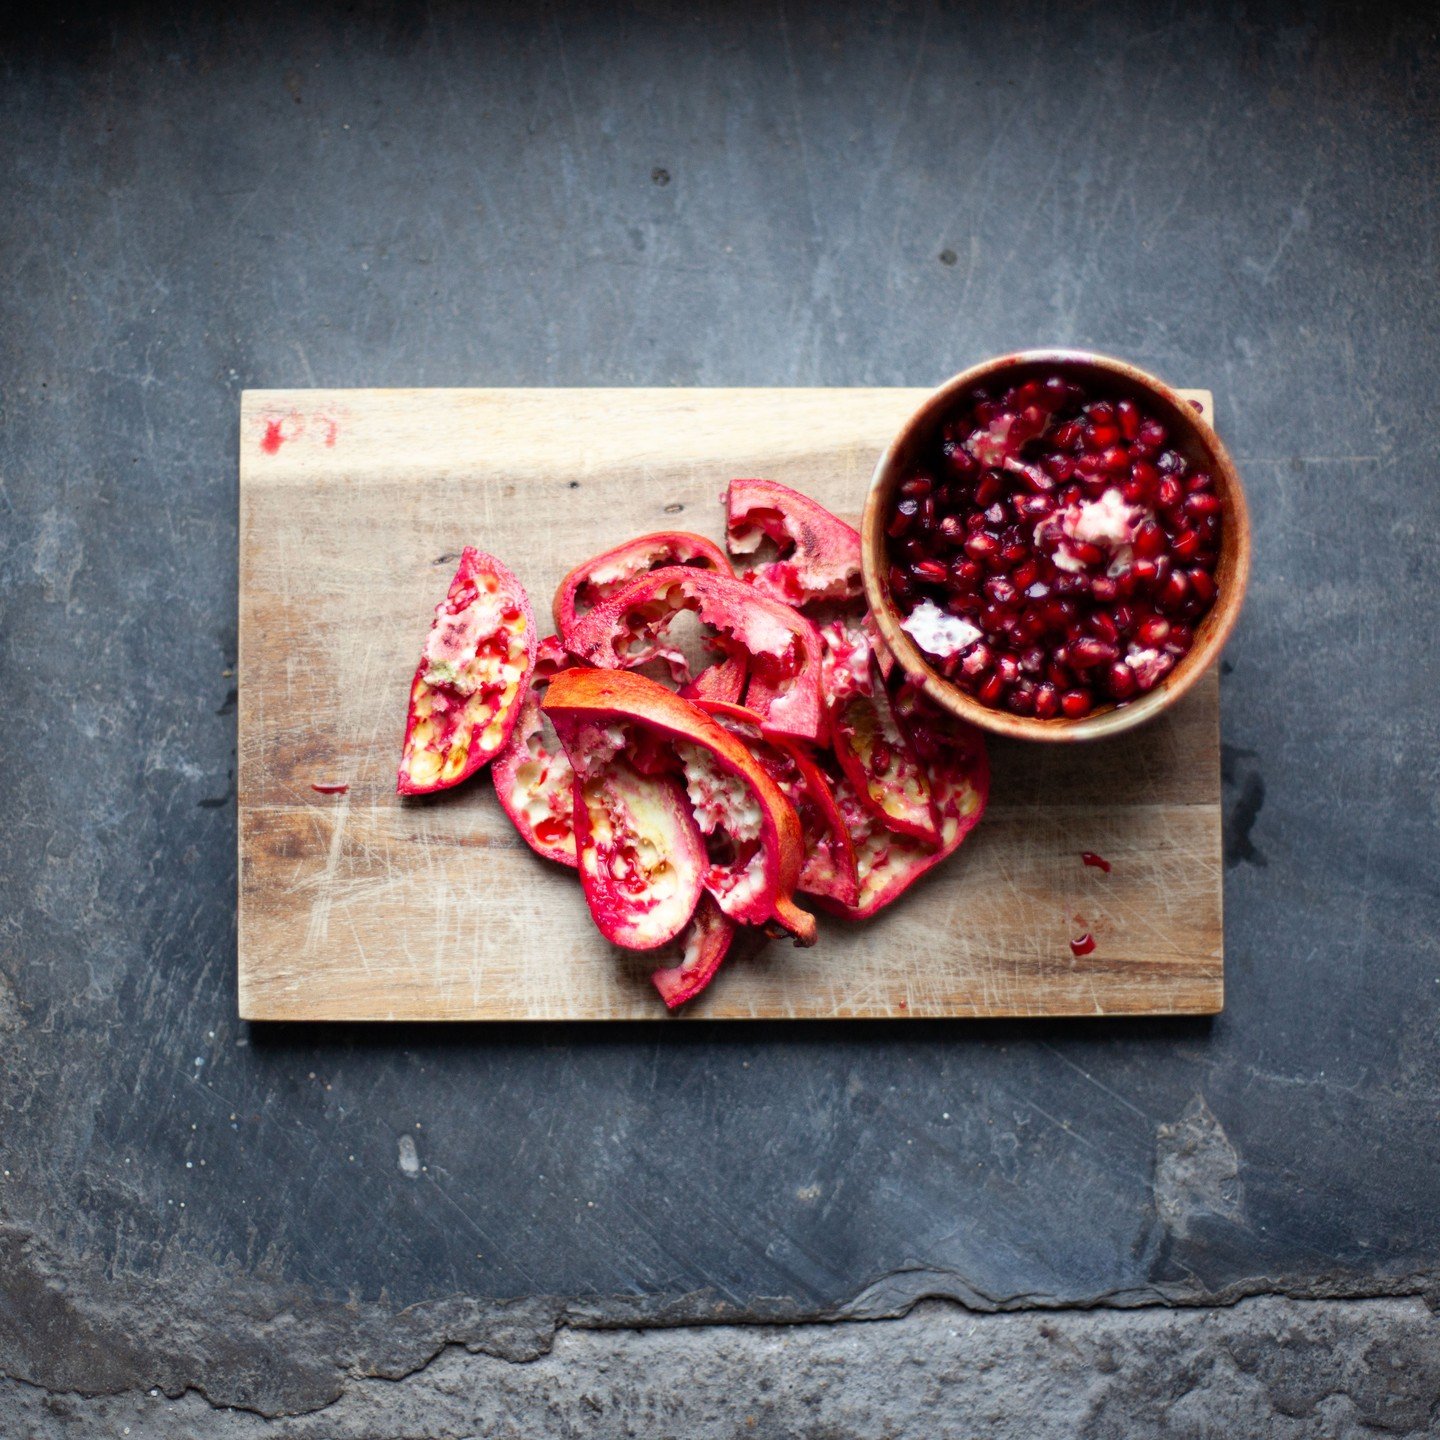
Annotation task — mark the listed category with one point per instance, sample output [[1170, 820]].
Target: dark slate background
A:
[[716, 195]]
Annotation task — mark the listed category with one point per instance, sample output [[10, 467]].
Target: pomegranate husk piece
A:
[[783, 648], [606, 574], [587, 707], [818, 553], [467, 692], [829, 867], [723, 682], [879, 761], [954, 758], [533, 779], [703, 945], [640, 854]]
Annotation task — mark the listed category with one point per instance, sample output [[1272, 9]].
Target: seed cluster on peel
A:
[[1055, 551], [798, 763]]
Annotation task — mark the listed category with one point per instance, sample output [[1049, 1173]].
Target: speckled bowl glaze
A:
[[1189, 433]]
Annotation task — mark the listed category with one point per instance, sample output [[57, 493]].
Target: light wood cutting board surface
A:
[[354, 505]]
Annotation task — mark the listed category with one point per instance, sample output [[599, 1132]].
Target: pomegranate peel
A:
[[467, 691], [756, 843], [818, 553], [598, 578], [533, 778], [781, 647], [703, 944], [829, 866], [639, 852]]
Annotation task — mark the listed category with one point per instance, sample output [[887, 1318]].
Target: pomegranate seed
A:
[[1103, 589], [930, 572], [1120, 681], [1060, 676], [1124, 618], [1185, 544], [1025, 574], [879, 758], [1182, 637], [1169, 493], [1100, 436], [1060, 467], [917, 485], [1032, 662], [996, 514], [925, 513], [1086, 553], [1007, 667], [1116, 460], [1154, 632], [1021, 699], [989, 490], [952, 530], [1033, 507], [1174, 592], [1149, 540], [1199, 481], [900, 585], [982, 545], [902, 519], [1075, 703], [1089, 651], [1104, 626], [1202, 585], [1066, 436], [1152, 433], [1127, 416], [990, 692], [1202, 502], [966, 574], [1084, 945], [1047, 701]]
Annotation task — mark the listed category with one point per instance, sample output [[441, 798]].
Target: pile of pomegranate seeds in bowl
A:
[[1053, 553]]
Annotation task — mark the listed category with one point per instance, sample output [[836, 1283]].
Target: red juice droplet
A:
[[273, 438], [1098, 861], [1084, 945]]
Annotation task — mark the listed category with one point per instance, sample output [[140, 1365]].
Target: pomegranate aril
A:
[[1021, 700], [900, 585], [1185, 545], [952, 530], [982, 545], [1086, 553], [1153, 632], [1060, 467], [1174, 592], [1032, 661], [1047, 702], [1169, 493], [1014, 552], [1202, 585], [990, 692], [1120, 681], [1059, 675], [1007, 667], [1075, 703], [1066, 436], [1103, 589], [1202, 502], [916, 486], [977, 659], [1127, 416], [1089, 651], [1104, 627], [1025, 574], [1100, 436], [966, 574], [930, 572], [1152, 433], [989, 490], [1116, 460], [1033, 507], [879, 758]]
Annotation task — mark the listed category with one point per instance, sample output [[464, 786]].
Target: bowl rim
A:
[[1218, 624]]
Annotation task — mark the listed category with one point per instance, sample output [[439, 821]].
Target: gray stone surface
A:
[[1266, 1368], [200, 199]]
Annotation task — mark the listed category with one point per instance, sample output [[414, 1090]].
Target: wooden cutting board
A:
[[354, 505]]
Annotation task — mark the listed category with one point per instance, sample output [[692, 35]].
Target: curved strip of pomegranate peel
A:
[[533, 778], [467, 691], [579, 698], [626, 632], [703, 945], [959, 772], [597, 579], [829, 867], [880, 762], [640, 854], [819, 555]]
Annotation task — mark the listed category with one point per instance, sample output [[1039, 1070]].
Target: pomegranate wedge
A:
[[703, 945], [783, 648], [880, 763], [608, 573], [466, 694], [755, 843], [818, 554], [829, 867], [953, 756], [532, 775], [641, 859]]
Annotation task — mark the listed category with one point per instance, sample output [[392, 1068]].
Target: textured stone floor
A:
[[1264, 1368]]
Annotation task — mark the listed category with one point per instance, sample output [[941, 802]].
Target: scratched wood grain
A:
[[361, 906]]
